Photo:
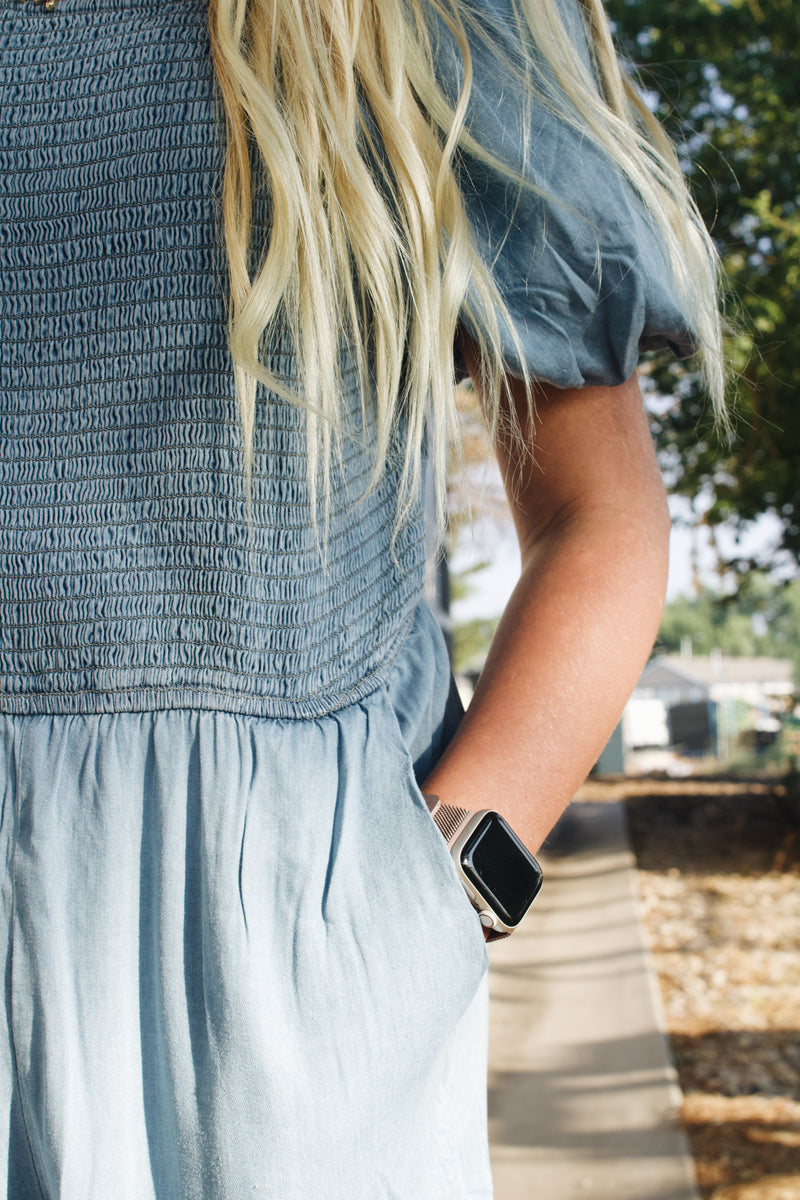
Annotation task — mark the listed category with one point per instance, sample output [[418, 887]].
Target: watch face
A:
[[504, 871]]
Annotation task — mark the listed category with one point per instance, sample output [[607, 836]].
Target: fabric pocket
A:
[[439, 884]]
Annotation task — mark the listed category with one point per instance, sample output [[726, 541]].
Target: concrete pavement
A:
[[583, 1099]]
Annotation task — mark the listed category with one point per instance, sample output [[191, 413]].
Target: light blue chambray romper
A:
[[239, 962]]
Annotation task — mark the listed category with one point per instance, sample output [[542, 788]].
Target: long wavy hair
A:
[[336, 108]]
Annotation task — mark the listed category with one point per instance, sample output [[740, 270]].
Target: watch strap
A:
[[450, 820]]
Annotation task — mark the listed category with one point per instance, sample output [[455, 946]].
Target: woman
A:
[[240, 960]]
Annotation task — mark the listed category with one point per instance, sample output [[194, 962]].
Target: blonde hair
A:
[[334, 106]]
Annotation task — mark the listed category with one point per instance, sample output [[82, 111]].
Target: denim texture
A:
[[578, 262], [238, 959], [128, 579]]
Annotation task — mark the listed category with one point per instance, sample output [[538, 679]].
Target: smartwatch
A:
[[500, 875]]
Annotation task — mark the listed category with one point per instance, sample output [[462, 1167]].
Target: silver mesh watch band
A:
[[450, 820]]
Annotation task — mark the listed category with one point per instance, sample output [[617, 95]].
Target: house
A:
[[711, 701], [761, 683]]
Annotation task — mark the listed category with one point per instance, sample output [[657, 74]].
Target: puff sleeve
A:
[[577, 260]]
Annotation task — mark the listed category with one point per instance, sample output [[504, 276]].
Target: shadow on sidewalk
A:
[[582, 1092]]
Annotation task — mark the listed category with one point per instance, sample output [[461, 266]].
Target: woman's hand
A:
[[593, 528]]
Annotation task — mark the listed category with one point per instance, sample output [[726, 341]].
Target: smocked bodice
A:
[[127, 580]]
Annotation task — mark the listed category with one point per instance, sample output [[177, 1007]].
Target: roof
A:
[[720, 668]]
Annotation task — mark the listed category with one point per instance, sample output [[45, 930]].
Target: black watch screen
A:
[[503, 869]]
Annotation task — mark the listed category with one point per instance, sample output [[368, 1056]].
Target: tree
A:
[[758, 619], [724, 76]]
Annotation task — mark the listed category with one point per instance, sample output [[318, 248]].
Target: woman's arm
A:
[[593, 527]]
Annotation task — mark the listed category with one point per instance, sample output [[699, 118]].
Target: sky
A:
[[491, 540]]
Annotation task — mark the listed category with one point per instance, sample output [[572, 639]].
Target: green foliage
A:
[[461, 582], [471, 641], [761, 618], [725, 78]]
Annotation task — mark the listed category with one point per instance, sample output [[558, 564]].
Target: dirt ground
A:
[[719, 878]]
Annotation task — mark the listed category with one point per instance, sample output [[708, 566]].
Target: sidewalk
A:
[[582, 1095]]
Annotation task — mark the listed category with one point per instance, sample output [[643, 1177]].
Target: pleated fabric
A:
[[130, 578], [239, 961]]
